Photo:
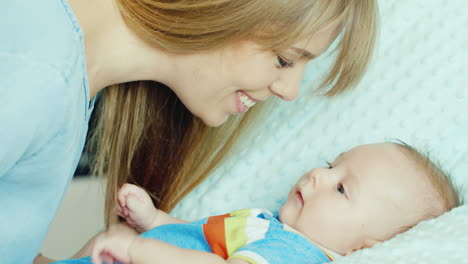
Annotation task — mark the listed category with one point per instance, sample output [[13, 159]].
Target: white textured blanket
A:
[[416, 90]]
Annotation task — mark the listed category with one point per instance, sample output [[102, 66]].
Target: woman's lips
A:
[[241, 108], [244, 102]]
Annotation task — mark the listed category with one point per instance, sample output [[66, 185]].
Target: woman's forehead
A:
[[318, 42]]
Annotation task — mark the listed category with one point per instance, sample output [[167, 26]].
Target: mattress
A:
[[415, 91]]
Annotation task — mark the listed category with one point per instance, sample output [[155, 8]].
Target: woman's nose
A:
[[287, 87]]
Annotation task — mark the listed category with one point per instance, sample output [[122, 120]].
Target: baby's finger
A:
[[107, 258], [95, 255], [120, 212], [135, 190], [122, 198], [118, 207], [133, 203]]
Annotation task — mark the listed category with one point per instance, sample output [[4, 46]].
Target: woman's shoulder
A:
[[43, 87], [42, 60], [42, 30], [32, 102]]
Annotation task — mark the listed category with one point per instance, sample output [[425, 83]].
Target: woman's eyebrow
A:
[[304, 53]]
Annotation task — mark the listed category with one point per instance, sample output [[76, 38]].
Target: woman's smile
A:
[[244, 102]]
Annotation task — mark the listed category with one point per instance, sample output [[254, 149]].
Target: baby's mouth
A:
[[299, 197]]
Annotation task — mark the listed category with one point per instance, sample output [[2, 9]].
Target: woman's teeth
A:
[[246, 100]]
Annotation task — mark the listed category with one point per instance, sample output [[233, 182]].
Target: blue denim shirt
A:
[[44, 112]]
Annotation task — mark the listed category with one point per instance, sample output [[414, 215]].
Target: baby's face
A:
[[366, 195]]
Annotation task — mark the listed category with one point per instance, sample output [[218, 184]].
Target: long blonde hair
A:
[[145, 135]]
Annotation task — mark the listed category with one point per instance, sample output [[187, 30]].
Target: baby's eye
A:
[[284, 63], [329, 165], [340, 188]]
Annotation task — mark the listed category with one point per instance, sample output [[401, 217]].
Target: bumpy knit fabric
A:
[[415, 90]]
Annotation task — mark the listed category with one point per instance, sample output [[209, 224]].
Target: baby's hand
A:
[[114, 245], [135, 205]]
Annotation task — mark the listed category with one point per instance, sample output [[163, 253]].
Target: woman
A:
[[172, 69]]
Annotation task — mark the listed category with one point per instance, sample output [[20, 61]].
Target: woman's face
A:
[[229, 81]]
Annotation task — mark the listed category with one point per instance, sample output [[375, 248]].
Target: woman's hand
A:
[[135, 205], [113, 245]]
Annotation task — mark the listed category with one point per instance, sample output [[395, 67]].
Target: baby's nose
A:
[[306, 179], [303, 181]]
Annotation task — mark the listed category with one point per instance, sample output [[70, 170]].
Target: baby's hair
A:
[[439, 179]]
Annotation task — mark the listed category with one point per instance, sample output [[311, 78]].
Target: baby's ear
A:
[[367, 243]]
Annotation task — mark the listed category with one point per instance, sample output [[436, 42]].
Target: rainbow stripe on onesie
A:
[[256, 236]]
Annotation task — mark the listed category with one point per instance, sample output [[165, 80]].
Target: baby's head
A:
[[367, 195]]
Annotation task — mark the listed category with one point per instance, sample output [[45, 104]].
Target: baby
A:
[[367, 195]]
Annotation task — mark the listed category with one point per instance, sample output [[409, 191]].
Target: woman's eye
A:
[[329, 165], [284, 63], [340, 188]]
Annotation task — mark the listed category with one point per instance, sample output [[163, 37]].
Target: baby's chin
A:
[[282, 215]]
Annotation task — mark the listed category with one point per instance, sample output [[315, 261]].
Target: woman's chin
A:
[[215, 121]]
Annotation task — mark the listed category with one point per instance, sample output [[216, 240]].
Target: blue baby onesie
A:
[[254, 235], [44, 112]]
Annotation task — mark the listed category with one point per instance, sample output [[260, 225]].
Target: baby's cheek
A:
[[281, 213], [285, 214]]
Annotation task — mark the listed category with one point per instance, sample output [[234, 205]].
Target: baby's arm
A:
[[122, 244], [146, 251], [135, 205]]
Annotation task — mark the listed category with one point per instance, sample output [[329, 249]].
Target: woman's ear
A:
[[367, 243]]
